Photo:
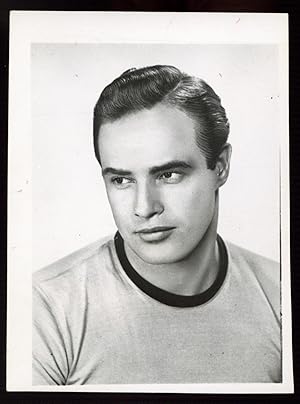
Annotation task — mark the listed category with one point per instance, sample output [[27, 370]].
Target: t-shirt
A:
[[96, 321]]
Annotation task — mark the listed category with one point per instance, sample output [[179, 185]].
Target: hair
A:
[[138, 89]]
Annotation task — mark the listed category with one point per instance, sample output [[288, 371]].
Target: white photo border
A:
[[28, 27]]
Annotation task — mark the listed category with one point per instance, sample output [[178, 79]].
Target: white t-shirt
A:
[[97, 322]]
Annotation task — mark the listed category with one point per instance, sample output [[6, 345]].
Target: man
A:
[[166, 300]]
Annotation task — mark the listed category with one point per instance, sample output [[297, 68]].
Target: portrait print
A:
[[157, 254]]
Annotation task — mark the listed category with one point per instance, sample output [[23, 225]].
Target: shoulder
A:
[[69, 272], [264, 272], [261, 265]]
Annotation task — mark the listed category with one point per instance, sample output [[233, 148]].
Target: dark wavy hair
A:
[[138, 89]]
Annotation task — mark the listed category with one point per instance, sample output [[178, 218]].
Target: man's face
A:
[[160, 191]]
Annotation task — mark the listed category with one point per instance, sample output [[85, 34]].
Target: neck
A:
[[192, 275]]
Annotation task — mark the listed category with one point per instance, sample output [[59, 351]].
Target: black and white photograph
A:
[[148, 175]]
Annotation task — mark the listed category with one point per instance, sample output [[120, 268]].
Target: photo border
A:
[[89, 27]]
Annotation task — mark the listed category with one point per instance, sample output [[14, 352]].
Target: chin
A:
[[161, 254], [158, 259]]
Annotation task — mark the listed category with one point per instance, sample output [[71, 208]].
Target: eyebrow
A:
[[116, 171], [171, 165]]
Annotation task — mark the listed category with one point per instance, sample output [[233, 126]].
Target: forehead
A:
[[148, 137]]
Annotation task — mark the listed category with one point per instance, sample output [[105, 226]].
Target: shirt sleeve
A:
[[49, 356]]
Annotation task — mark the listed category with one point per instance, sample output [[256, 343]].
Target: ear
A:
[[223, 165]]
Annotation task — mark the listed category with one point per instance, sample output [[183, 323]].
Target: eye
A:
[[121, 182], [171, 177]]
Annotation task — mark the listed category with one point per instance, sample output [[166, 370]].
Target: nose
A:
[[148, 202]]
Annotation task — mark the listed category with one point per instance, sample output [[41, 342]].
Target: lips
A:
[[154, 229], [155, 234]]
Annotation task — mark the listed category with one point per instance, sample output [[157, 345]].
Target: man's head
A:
[[160, 136]]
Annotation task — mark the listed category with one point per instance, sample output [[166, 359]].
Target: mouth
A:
[[155, 234]]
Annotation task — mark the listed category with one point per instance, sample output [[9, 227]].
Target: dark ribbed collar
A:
[[172, 299]]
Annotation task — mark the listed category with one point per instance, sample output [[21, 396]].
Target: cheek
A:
[[196, 201], [120, 206], [203, 202]]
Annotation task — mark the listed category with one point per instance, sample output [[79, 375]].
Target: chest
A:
[[145, 345]]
